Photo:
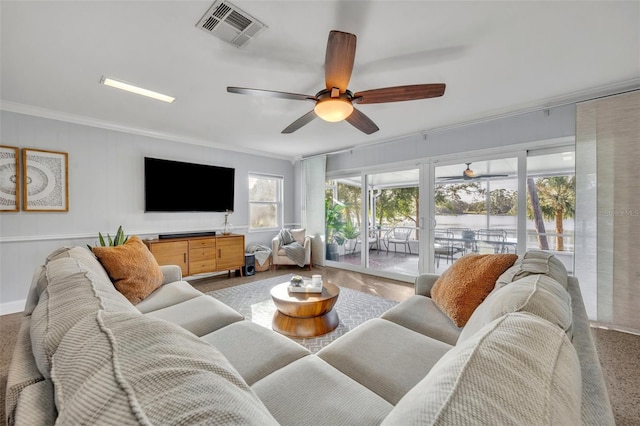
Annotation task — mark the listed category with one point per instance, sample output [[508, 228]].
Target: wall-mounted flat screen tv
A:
[[174, 186]]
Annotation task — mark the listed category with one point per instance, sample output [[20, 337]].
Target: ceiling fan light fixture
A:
[[333, 109]]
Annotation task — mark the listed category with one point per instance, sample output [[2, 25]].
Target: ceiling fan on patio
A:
[[335, 102], [469, 174]]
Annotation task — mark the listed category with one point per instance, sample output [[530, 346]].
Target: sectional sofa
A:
[[86, 355]]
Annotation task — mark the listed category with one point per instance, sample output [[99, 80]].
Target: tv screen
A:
[[174, 186]]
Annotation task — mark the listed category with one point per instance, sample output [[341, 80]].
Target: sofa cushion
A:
[[385, 357], [519, 369], [535, 262], [201, 315], [72, 291], [253, 350], [132, 268], [420, 314], [23, 371], [536, 294], [150, 372], [83, 255], [596, 407], [311, 392], [168, 295], [37, 282], [36, 405], [467, 282]]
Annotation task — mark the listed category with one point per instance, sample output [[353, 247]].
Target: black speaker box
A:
[[249, 267]]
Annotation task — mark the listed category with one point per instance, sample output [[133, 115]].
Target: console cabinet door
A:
[[230, 252], [172, 253]]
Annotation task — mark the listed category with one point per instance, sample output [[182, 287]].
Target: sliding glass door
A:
[[383, 237], [343, 220], [393, 211], [475, 209], [551, 198], [403, 222]]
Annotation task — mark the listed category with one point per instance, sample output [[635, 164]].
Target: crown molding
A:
[[94, 122]]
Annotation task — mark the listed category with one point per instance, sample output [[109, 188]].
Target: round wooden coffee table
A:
[[304, 314]]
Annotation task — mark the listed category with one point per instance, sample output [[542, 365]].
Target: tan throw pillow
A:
[[132, 268], [462, 287]]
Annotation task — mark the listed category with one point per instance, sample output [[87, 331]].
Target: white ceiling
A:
[[495, 57]]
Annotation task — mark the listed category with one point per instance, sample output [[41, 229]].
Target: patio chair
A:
[[397, 236], [467, 236], [445, 247], [495, 237], [374, 239]]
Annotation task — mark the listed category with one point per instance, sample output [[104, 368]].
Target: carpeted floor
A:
[[254, 302], [619, 355], [619, 352]]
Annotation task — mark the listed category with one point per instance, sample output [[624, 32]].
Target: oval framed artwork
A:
[[9, 179], [45, 180]]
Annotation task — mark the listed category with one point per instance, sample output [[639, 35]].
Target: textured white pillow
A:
[[298, 235], [120, 368], [535, 262], [536, 294], [518, 370]]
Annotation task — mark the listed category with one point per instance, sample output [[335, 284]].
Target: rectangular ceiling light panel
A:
[[135, 89], [231, 24]]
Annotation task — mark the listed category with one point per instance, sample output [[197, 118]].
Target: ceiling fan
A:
[[335, 102], [469, 174]]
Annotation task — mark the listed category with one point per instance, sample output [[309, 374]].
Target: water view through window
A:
[[475, 209]]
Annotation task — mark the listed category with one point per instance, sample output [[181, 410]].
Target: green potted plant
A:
[[334, 224], [118, 240], [350, 234]]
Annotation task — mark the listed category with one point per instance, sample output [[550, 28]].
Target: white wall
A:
[[106, 189], [558, 122]]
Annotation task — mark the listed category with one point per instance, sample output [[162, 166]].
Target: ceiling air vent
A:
[[229, 23]]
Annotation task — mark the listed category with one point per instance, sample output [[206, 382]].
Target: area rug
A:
[[253, 300]]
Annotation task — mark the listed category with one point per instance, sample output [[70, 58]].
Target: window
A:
[[265, 202]]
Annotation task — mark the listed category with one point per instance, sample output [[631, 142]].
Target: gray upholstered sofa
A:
[[85, 355]]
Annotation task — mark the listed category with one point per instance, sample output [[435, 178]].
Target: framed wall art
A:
[[45, 185], [9, 179]]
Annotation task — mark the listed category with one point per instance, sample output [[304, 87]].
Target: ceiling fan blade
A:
[[338, 62], [400, 93], [467, 177], [270, 93], [302, 121], [361, 122]]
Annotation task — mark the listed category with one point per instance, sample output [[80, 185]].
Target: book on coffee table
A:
[[307, 286]]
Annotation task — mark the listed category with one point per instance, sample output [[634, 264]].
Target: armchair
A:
[[280, 254]]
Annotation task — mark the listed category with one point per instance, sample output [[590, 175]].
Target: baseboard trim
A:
[[614, 327], [12, 307]]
